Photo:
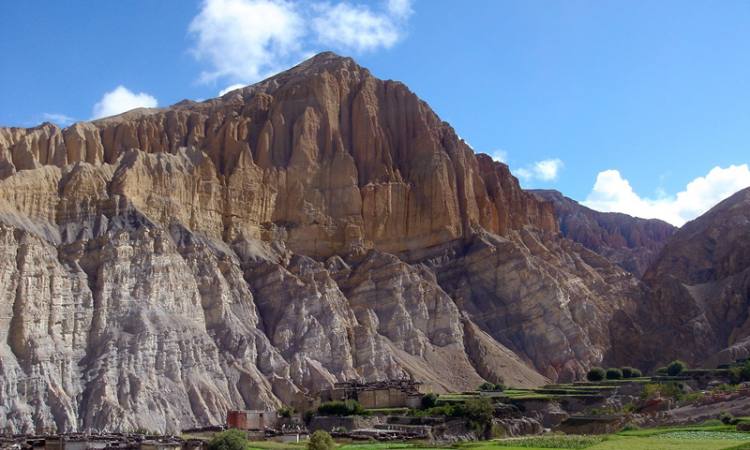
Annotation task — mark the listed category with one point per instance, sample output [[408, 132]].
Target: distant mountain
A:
[[630, 242], [701, 284]]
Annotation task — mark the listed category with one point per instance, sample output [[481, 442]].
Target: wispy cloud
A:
[[57, 118], [121, 99], [544, 170], [612, 192], [499, 155], [243, 41], [230, 88], [353, 27]]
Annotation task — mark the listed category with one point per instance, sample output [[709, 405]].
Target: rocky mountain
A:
[[700, 301], [630, 242], [165, 265]]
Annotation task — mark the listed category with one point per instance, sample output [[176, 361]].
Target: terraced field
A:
[[708, 437], [700, 437]]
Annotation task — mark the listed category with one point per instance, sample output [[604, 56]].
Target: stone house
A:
[[378, 394], [252, 420]]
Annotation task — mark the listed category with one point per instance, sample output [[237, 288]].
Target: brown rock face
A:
[[698, 309], [630, 242], [163, 266], [326, 154]]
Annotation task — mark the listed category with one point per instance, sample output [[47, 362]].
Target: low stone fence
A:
[[344, 423]]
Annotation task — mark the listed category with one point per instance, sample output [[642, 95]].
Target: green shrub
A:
[[725, 388], [631, 372], [673, 390], [649, 391], [429, 400], [285, 412], [477, 411], [486, 386], [342, 408], [596, 374], [728, 419], [740, 374], [629, 408], [668, 390], [614, 373], [435, 411], [229, 440], [693, 397], [320, 440], [675, 368], [661, 371]]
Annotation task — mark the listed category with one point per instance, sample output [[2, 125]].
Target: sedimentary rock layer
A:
[[700, 292], [630, 242]]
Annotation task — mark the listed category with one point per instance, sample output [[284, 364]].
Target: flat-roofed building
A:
[[377, 394]]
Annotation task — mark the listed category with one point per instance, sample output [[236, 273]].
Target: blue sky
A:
[[635, 106]]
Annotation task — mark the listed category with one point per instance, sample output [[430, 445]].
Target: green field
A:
[[710, 436], [700, 437]]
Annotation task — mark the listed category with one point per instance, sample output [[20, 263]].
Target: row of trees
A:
[[237, 440], [613, 373]]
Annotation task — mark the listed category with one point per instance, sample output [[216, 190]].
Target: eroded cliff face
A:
[[700, 291], [630, 242], [162, 266], [325, 155]]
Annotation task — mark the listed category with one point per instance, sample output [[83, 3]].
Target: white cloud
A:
[[612, 192], [400, 8], [246, 39], [57, 118], [354, 27], [524, 173], [499, 155], [544, 170], [120, 100], [548, 169], [243, 41], [230, 88]]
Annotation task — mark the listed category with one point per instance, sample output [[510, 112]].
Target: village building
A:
[[252, 420], [377, 394]]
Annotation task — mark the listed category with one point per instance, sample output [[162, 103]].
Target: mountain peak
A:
[[324, 57], [322, 62]]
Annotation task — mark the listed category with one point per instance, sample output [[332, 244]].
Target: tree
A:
[[285, 412], [229, 440], [429, 400], [596, 374], [675, 368], [631, 372], [739, 374], [339, 408], [320, 440], [477, 411], [614, 373], [727, 419], [486, 386]]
